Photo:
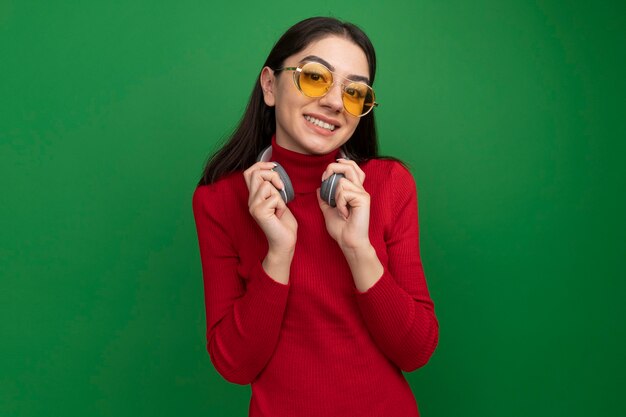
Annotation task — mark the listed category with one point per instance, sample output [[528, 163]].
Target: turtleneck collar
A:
[[305, 171]]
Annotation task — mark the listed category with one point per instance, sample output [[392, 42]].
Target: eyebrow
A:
[[351, 77]]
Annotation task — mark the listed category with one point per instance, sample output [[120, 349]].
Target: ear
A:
[[268, 84]]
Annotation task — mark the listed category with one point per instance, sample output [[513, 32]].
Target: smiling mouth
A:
[[320, 123]]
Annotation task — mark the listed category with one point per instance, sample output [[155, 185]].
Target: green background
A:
[[510, 115]]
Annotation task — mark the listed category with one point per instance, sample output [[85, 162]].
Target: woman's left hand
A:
[[348, 223]]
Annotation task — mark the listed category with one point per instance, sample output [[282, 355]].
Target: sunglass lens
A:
[[314, 80], [358, 98]]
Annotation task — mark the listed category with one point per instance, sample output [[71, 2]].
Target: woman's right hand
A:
[[273, 216]]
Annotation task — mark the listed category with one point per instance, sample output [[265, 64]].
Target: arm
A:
[[393, 300], [243, 321], [397, 309]]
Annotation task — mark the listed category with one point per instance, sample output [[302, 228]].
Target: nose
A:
[[332, 100]]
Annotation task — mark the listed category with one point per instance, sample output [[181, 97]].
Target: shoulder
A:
[[388, 172], [223, 194], [391, 186]]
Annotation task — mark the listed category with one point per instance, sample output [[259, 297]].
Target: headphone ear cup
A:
[[286, 193], [329, 188]]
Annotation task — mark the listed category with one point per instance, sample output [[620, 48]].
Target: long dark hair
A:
[[258, 123]]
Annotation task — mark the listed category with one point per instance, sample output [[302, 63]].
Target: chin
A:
[[320, 145], [322, 149]]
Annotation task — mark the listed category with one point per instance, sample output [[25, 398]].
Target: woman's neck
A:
[[305, 171]]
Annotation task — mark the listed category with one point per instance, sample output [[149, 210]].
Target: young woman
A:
[[317, 298]]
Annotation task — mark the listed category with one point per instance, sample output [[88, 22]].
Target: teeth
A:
[[320, 123]]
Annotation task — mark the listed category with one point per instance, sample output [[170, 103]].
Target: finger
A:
[[268, 210], [350, 196], [258, 177], [357, 168], [279, 206], [346, 184], [264, 192], [340, 183], [248, 173], [259, 166], [349, 170], [328, 210], [341, 205], [261, 176], [354, 196], [274, 206]]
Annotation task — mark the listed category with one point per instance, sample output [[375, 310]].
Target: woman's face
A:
[[296, 129]]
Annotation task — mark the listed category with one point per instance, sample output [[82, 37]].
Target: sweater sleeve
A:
[[398, 310], [244, 309]]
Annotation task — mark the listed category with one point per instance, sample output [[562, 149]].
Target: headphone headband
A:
[[266, 154]]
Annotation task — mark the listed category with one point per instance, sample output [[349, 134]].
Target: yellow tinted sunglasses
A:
[[315, 80]]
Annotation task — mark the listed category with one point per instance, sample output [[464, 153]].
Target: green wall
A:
[[510, 115]]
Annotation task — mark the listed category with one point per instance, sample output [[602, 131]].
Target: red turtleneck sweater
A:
[[317, 346]]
